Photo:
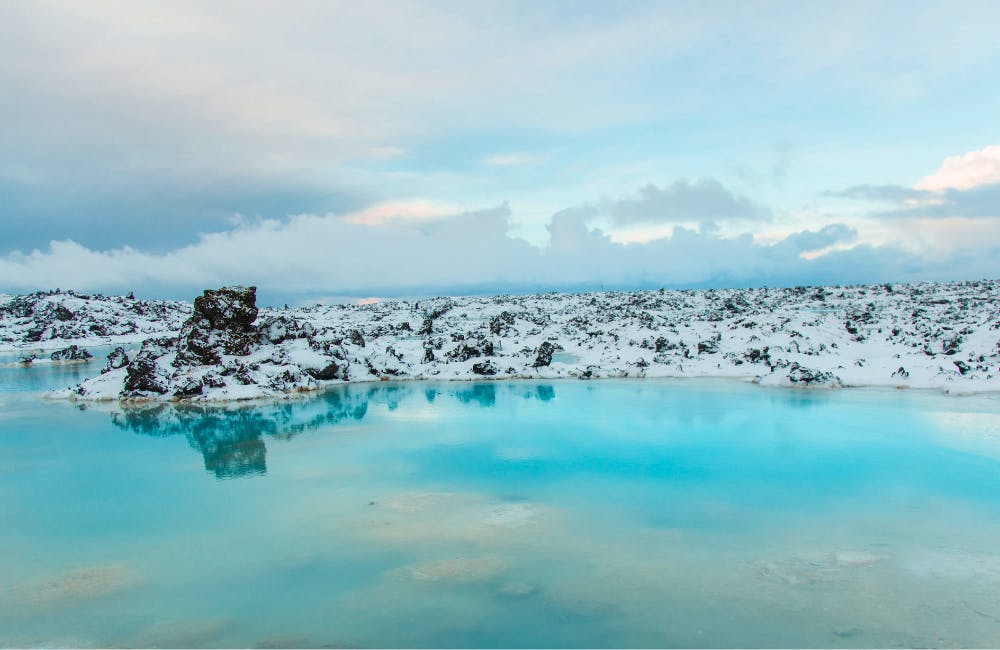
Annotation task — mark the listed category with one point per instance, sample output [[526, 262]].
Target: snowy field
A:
[[928, 335]]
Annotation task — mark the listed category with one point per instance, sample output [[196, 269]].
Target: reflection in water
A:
[[483, 394], [231, 438]]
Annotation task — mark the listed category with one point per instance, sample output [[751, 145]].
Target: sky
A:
[[323, 150]]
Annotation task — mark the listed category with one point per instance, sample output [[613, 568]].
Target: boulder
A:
[[71, 353], [142, 377], [487, 368], [798, 374], [116, 359], [222, 323], [543, 356], [330, 371]]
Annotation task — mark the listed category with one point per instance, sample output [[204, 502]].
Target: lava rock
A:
[[330, 371], [357, 338], [142, 377], [71, 353], [280, 329], [116, 359], [799, 374], [710, 346], [543, 356], [485, 368], [501, 324], [189, 388], [222, 323], [471, 348]]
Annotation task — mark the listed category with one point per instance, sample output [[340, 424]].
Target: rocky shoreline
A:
[[928, 335]]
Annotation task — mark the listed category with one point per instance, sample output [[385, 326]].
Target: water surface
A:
[[516, 514]]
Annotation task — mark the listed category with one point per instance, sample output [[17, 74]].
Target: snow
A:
[[930, 335], [52, 320]]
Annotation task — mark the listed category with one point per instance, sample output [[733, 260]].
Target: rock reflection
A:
[[231, 439]]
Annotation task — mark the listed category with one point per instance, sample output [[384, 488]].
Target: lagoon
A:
[[612, 513]]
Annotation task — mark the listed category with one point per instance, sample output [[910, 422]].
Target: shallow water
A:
[[606, 513]]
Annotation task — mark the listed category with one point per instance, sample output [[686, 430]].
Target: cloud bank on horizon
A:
[[329, 148]]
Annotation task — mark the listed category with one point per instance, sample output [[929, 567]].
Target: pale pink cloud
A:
[[406, 210], [965, 171]]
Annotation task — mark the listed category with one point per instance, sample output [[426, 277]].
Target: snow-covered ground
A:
[[929, 335], [54, 320]]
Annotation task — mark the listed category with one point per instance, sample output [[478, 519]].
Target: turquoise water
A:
[[515, 514]]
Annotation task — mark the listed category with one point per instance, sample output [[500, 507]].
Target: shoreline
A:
[[66, 395], [936, 336]]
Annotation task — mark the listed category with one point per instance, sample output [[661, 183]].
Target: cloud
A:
[[884, 193], [684, 201], [814, 240], [410, 210], [470, 252], [966, 185], [965, 172], [980, 201]]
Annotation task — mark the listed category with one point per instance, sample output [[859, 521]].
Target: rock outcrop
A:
[[222, 324], [929, 335]]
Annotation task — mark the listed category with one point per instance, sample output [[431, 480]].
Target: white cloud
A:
[[966, 171], [324, 255]]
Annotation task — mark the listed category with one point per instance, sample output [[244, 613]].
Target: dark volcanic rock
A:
[[222, 323], [280, 329], [71, 353], [471, 348], [485, 368], [189, 388], [711, 346], [543, 356], [501, 324], [801, 375], [143, 376], [116, 359], [330, 371]]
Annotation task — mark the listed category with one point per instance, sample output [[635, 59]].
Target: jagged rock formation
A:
[[222, 324], [940, 335]]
